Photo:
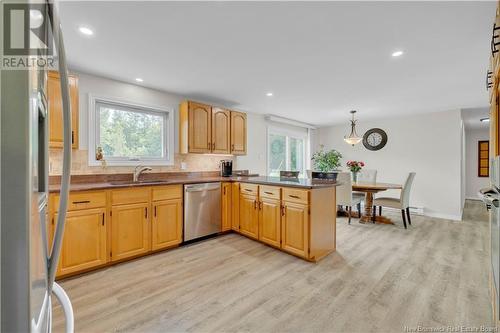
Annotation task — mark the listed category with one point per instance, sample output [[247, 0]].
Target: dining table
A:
[[370, 188]]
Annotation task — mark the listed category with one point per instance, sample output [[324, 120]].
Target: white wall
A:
[[429, 144], [104, 87], [256, 159], [472, 182]]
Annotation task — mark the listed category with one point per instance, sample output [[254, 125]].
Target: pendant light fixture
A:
[[353, 138]]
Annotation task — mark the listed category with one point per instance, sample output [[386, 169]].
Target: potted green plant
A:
[[326, 163]]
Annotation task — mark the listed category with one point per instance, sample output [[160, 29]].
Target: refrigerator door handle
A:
[[66, 166]]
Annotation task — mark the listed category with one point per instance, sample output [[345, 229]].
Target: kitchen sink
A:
[[130, 182]]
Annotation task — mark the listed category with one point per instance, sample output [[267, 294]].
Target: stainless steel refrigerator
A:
[[28, 261]]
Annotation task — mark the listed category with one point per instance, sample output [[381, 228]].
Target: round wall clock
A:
[[375, 139]]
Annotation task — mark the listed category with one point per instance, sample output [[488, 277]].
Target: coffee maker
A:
[[226, 168]]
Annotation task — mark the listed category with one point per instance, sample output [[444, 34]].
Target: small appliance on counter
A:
[[226, 168]]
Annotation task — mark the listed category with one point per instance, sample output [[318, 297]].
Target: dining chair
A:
[[345, 195], [367, 175], [402, 203]]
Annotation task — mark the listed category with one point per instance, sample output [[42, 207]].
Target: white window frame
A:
[[288, 134], [168, 129]]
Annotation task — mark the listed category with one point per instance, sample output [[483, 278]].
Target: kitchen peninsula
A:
[[113, 219]]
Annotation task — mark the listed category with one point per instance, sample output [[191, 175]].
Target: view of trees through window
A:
[[285, 153], [128, 134]]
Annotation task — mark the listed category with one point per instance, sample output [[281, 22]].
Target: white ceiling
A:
[[319, 59]]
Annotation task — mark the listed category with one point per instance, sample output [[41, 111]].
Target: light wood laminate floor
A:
[[381, 279]]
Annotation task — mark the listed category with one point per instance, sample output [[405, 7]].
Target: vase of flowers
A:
[[326, 163], [355, 167]]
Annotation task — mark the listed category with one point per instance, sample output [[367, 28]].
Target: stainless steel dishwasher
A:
[[202, 210]]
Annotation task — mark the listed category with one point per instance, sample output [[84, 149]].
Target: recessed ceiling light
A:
[[86, 31], [269, 94], [139, 79], [397, 53], [485, 120]]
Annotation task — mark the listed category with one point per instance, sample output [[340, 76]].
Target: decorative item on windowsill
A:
[[99, 156], [353, 138], [326, 164], [355, 167]]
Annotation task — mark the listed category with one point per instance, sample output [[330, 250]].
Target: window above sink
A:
[[130, 134]]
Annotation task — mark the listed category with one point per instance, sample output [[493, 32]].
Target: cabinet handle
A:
[[255, 204], [248, 190], [294, 196], [224, 191], [282, 210], [213, 146], [260, 205], [232, 147], [155, 211], [72, 137], [270, 193], [102, 218], [81, 202], [146, 212]]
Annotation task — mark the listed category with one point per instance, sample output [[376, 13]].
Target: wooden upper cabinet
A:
[[200, 128], [221, 128], [211, 130], [238, 133], [84, 242], [55, 110]]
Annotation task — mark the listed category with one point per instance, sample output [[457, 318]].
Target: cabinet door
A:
[[167, 224], [221, 128], [226, 206], [129, 230], [84, 241], [295, 229], [55, 110], [235, 205], [270, 221], [249, 217], [238, 133], [200, 128]]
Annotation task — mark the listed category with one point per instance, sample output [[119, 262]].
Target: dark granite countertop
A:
[[274, 181]]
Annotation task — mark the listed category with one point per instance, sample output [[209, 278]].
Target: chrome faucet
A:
[[139, 170]]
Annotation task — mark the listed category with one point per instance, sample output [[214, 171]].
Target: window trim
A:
[[287, 133], [93, 131]]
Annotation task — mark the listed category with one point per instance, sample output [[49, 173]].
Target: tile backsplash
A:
[[80, 166]]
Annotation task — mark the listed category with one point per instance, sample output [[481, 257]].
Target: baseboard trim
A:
[[422, 212]]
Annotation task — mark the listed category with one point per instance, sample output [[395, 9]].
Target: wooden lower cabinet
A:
[[295, 229], [130, 231], [166, 229], [249, 216], [226, 213], [270, 221], [235, 206], [84, 242]]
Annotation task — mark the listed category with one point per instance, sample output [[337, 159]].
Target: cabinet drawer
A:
[[127, 196], [249, 189], [82, 200], [271, 192], [167, 192], [296, 195]]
